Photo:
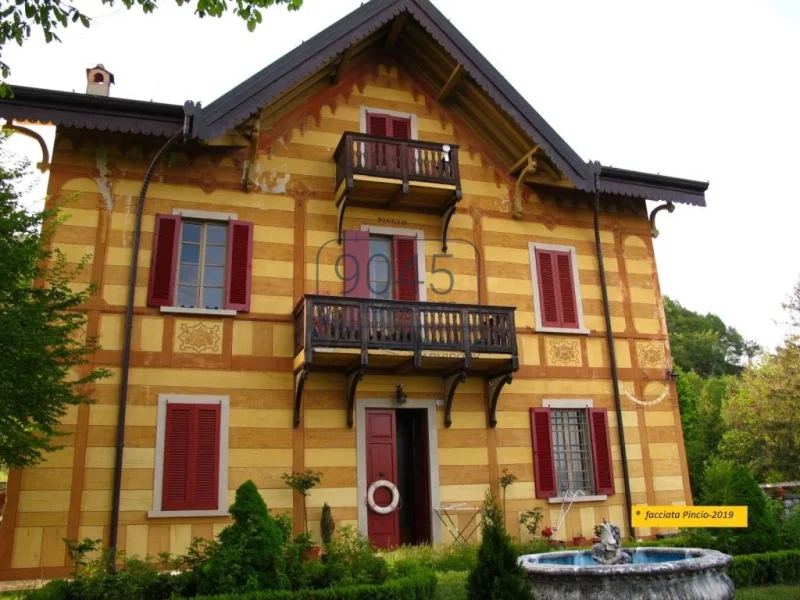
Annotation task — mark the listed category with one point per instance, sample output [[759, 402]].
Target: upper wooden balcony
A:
[[398, 174], [354, 336]]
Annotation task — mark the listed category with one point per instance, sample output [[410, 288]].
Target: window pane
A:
[[191, 232], [379, 267], [215, 255], [188, 274], [572, 450], [212, 297], [190, 254], [187, 296], [214, 276], [215, 234]]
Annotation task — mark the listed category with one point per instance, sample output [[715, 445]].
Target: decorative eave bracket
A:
[[342, 207], [447, 216], [451, 382], [44, 164], [354, 376], [669, 206], [252, 157], [299, 384], [529, 166], [495, 382]]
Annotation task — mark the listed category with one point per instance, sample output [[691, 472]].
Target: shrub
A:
[[497, 574], [249, 553], [350, 561], [770, 568], [726, 484], [326, 525], [416, 584], [790, 530]]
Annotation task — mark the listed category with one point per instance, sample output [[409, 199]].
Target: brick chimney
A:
[[98, 81]]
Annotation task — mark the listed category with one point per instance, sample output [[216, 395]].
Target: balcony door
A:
[[381, 267], [385, 157]]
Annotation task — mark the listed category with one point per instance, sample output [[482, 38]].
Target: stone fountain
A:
[[609, 572]]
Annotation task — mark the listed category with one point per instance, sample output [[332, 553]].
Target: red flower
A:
[[780, 492], [547, 532]]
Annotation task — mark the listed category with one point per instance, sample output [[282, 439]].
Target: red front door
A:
[[383, 530]]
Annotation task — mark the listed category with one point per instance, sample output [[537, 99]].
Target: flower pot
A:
[[579, 541], [596, 540], [312, 554]]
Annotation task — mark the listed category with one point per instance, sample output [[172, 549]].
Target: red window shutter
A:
[[406, 285], [355, 264], [205, 489], [601, 451], [177, 456], [548, 290], [191, 457], [544, 471], [378, 124], [566, 290], [240, 265], [401, 128], [164, 260]]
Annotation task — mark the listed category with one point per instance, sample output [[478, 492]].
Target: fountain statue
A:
[[608, 551]]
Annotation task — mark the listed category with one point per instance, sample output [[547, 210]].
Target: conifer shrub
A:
[[497, 576], [249, 553]]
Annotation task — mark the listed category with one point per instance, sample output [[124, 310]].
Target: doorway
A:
[[397, 450]]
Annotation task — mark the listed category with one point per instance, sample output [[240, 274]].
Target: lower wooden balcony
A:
[[358, 336]]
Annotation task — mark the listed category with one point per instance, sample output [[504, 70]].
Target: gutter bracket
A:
[[669, 206]]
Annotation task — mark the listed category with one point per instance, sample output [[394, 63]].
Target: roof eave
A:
[[624, 182]]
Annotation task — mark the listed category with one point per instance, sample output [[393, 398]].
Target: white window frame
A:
[[420, 237], [573, 404], [537, 303], [161, 432], [200, 215], [363, 110]]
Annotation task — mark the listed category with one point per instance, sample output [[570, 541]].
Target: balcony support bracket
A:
[[299, 383], [354, 376], [451, 383], [494, 385], [447, 215], [340, 223]]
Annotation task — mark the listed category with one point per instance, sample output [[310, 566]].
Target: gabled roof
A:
[[319, 52], [418, 36]]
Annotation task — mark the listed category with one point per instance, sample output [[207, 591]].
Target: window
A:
[[389, 125], [201, 264], [380, 266], [191, 455], [201, 268], [556, 289], [571, 449]]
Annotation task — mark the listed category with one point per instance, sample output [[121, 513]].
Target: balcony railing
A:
[[406, 160], [331, 322]]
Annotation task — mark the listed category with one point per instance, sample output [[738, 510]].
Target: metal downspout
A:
[[612, 355], [181, 134]]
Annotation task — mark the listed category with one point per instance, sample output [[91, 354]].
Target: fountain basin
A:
[[653, 574]]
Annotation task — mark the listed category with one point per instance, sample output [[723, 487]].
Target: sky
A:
[[703, 90]]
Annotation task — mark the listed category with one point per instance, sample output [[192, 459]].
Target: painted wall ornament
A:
[[199, 338]]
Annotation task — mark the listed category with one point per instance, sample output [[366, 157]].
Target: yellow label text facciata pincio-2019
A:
[[689, 516]]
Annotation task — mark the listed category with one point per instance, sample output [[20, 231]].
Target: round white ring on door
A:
[[383, 510]]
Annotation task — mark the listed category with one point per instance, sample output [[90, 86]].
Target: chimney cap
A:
[[100, 67]]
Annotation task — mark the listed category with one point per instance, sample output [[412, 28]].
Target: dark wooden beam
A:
[[451, 83], [343, 62], [396, 30]]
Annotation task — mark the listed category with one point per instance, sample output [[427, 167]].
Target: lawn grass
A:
[[772, 592], [453, 586]]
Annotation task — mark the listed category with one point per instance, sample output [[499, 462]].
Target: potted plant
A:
[[530, 520], [579, 540], [596, 536], [506, 479], [303, 483], [326, 526]]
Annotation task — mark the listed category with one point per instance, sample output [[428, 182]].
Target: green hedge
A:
[[770, 568], [419, 585]]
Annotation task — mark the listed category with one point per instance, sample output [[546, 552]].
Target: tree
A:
[[44, 369], [703, 343], [20, 18], [497, 576]]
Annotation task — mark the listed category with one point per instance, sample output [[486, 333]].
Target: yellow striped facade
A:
[[252, 362]]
